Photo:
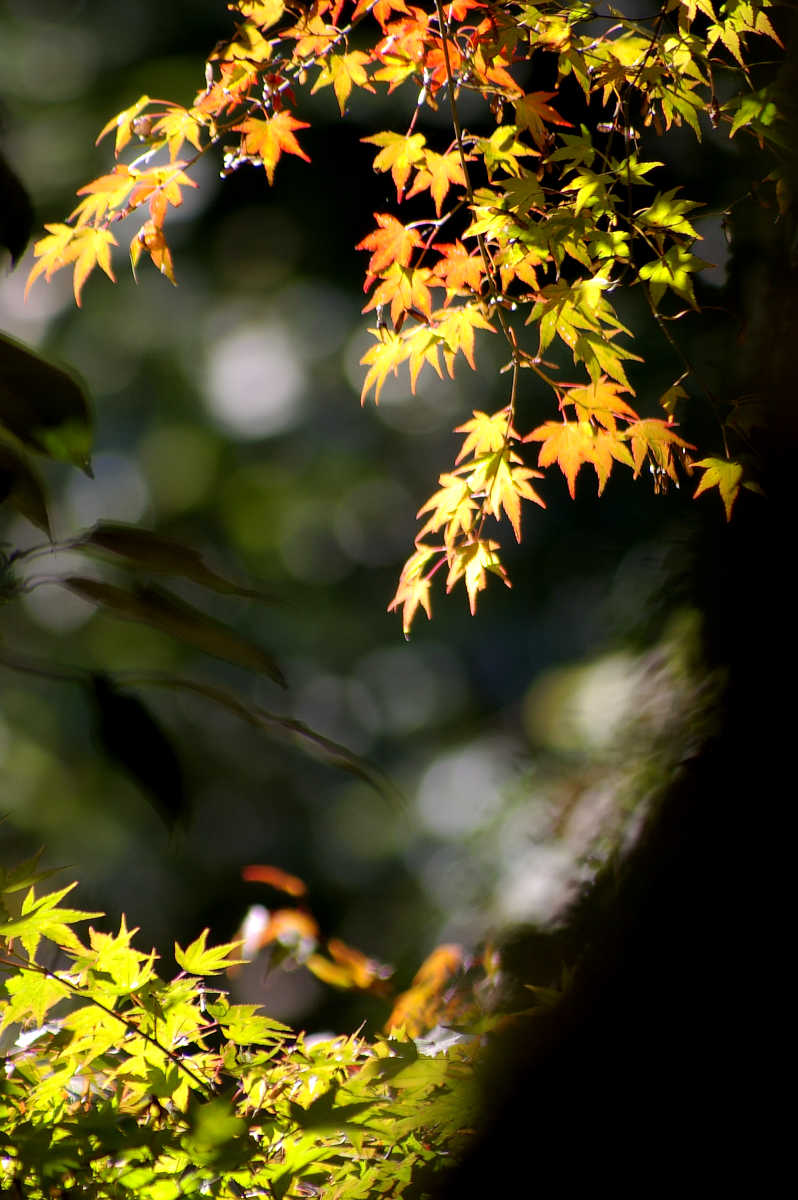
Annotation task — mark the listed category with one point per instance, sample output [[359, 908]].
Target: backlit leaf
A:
[[723, 474]]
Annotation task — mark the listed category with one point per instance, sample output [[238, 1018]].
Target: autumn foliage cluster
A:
[[532, 222]]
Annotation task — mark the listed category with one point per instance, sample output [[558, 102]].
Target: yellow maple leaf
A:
[[344, 71], [656, 440], [451, 506], [414, 586], [600, 402], [507, 485], [179, 125], [84, 246], [486, 433], [473, 561], [455, 326], [723, 474], [385, 356], [400, 152]]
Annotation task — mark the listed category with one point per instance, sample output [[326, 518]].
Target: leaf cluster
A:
[[123, 1083], [536, 218]]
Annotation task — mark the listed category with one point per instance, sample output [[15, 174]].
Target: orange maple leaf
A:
[[405, 290], [267, 139], [391, 243], [458, 270], [151, 238], [532, 111], [573, 443]]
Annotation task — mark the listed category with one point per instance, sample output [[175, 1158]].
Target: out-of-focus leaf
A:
[[43, 405], [132, 737], [157, 553], [21, 486], [16, 213], [339, 756], [171, 615]]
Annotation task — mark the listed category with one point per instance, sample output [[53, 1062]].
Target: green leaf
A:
[[198, 959], [21, 486], [160, 554], [673, 271], [43, 405], [171, 615]]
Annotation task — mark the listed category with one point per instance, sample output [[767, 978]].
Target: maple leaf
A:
[[404, 289], [505, 485], [123, 124], [422, 346], [600, 402], [103, 194], [439, 172], [485, 433], [389, 351], [532, 112], [503, 149], [179, 125], [414, 588], [455, 326], [458, 270], [673, 270], [451, 506], [381, 10], [151, 238], [268, 139], [161, 186], [400, 153], [391, 243], [344, 71], [656, 440], [573, 443], [84, 246], [723, 474], [473, 561]]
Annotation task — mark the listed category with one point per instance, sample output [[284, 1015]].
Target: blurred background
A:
[[524, 744]]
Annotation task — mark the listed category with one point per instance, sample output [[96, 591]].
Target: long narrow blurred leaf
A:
[[160, 554], [43, 406], [339, 755], [21, 486], [132, 737], [171, 615]]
